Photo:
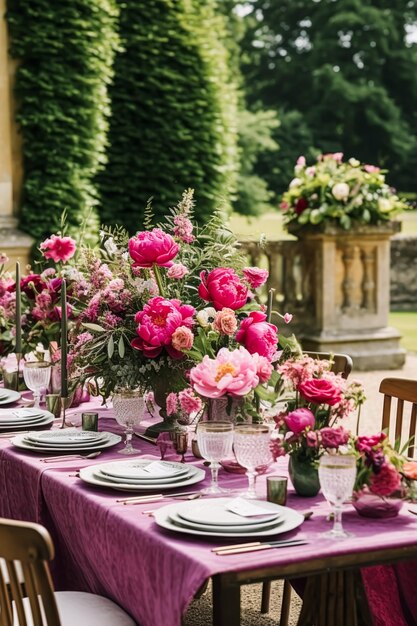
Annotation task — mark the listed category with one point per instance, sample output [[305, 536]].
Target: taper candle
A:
[[18, 348], [64, 334]]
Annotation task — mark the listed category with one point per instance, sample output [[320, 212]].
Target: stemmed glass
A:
[[129, 408], [37, 375], [215, 440], [252, 448], [337, 473]]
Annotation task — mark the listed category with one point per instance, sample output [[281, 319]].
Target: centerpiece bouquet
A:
[[317, 400], [173, 310], [385, 477], [338, 193]]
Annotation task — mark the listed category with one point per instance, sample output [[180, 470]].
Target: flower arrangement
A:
[[318, 400], [173, 309], [344, 194]]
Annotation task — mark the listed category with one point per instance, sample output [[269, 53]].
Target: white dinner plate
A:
[[24, 422], [69, 436], [216, 513], [45, 421], [136, 469], [252, 528], [288, 520], [135, 481], [20, 442], [12, 415], [88, 475], [7, 396]]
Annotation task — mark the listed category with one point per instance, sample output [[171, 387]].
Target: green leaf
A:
[[121, 347], [94, 327], [110, 347]]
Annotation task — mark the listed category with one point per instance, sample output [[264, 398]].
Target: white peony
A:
[[296, 182], [341, 191], [206, 316], [384, 205]]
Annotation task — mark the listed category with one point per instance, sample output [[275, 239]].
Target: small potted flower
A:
[[383, 477]]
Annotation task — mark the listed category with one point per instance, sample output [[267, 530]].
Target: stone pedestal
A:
[[348, 308]]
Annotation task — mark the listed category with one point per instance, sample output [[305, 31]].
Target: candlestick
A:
[[18, 348], [64, 347]]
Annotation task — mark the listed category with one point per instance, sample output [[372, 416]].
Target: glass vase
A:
[[304, 476]]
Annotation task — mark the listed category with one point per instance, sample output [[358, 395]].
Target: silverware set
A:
[[240, 548], [69, 457], [186, 495]]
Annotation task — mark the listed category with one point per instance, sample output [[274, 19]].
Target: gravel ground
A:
[[199, 613]]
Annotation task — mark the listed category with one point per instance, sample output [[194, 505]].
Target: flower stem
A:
[[158, 279]]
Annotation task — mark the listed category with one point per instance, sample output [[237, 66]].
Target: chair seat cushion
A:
[[77, 608]]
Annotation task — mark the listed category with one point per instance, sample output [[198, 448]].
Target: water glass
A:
[[215, 441], [337, 473], [37, 375], [129, 408], [252, 448]]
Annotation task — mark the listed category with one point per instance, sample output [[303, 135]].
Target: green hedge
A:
[[173, 111], [65, 50]]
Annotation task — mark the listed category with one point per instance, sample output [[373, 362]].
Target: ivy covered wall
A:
[[65, 50]]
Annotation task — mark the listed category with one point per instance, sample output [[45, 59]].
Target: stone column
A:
[[14, 243]]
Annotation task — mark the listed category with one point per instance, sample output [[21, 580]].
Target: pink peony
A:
[[334, 437], [255, 276], [299, 419], [152, 247], [320, 391], [189, 402], [257, 335], [225, 322], [171, 403], [263, 368], [157, 322], [385, 481], [223, 288], [182, 339], [232, 372], [58, 248], [177, 270]]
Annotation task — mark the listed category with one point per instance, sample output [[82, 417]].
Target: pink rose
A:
[[182, 339], [58, 248], [255, 276], [223, 288], [385, 481], [152, 247], [333, 437], [177, 270], [157, 322], [257, 335], [189, 402], [320, 391], [299, 419], [225, 322], [231, 372]]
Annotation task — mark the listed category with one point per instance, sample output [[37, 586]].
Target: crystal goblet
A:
[[337, 473], [215, 440], [128, 407], [252, 449], [37, 375]]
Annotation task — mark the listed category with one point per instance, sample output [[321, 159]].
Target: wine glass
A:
[[252, 448], [337, 473], [37, 375], [215, 440], [129, 408]]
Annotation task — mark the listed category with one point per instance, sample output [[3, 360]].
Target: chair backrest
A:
[[31, 546], [342, 363], [403, 390]]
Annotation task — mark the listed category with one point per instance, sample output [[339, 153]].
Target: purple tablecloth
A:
[[115, 550]]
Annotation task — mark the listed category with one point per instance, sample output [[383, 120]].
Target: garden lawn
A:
[[406, 323]]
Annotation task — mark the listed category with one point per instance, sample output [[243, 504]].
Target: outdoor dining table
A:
[[116, 550]]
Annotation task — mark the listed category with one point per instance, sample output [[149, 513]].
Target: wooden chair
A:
[[402, 390], [30, 546], [342, 364]]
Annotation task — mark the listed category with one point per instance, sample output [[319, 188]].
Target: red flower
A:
[[320, 391], [301, 205], [32, 285], [223, 288], [58, 248], [386, 481]]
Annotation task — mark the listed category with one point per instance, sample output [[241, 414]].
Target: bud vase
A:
[[225, 409], [304, 476]]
